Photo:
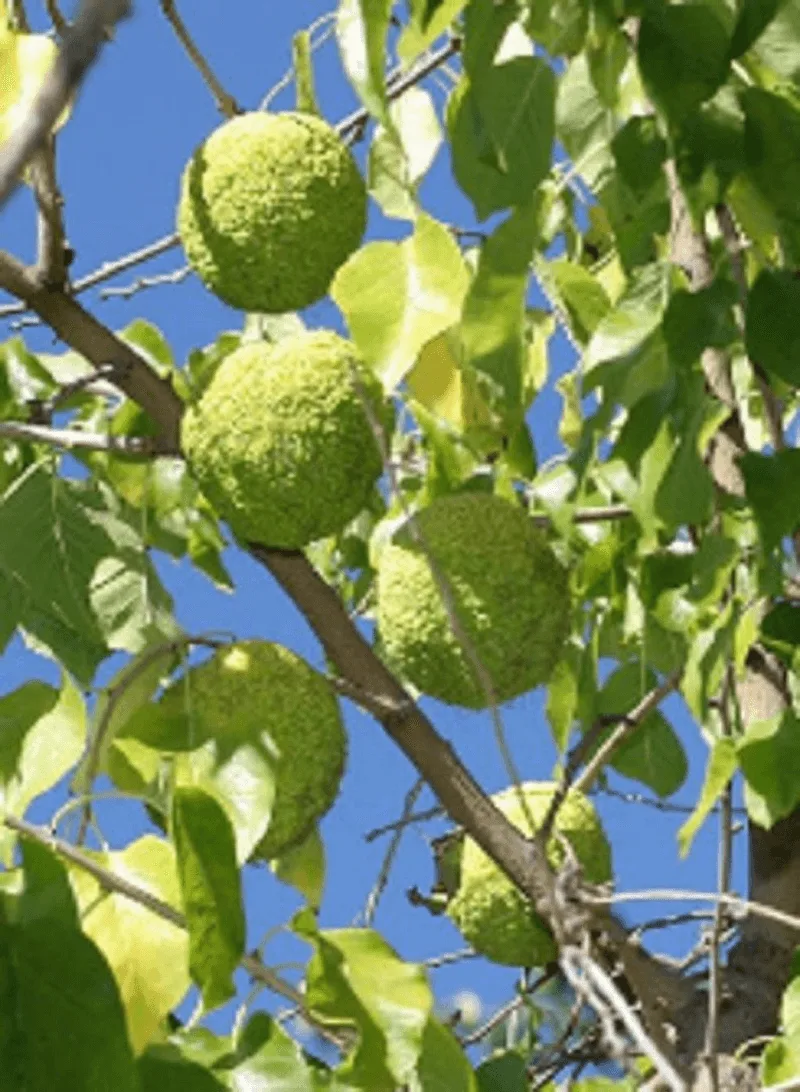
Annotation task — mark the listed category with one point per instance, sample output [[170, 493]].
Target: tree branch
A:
[[226, 103], [80, 330], [81, 45], [71, 439], [112, 881]]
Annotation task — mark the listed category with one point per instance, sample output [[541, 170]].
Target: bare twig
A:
[[94, 21], [711, 1046], [449, 958], [112, 881], [19, 15], [503, 1013], [326, 25], [603, 514], [141, 283], [95, 342], [56, 18], [738, 906], [588, 979], [625, 730], [226, 103], [368, 915], [71, 439], [406, 821]]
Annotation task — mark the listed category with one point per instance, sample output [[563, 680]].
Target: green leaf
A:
[[361, 29], [150, 343], [266, 1058], [355, 978], [683, 52], [777, 48], [448, 392], [559, 25], [753, 19], [126, 695], [584, 124], [428, 20], [61, 1020], [580, 295], [501, 131], [652, 754], [686, 493], [772, 149], [562, 696], [493, 320], [148, 955], [46, 892], [443, 1066], [722, 765], [164, 1066], [780, 630], [696, 320], [302, 63], [42, 736], [769, 754], [637, 315], [503, 1072], [772, 485], [303, 867], [83, 577], [399, 158], [211, 892], [398, 296], [772, 333]]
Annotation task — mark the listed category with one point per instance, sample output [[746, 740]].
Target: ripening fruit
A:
[[271, 205], [262, 695], [490, 912], [508, 591], [281, 442]]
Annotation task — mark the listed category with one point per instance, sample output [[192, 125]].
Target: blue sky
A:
[[141, 115]]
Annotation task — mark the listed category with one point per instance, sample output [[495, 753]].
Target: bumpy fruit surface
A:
[[490, 912], [281, 442], [270, 206], [262, 695], [508, 591]]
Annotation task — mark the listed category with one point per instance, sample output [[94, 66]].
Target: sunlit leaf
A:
[[148, 955], [722, 764]]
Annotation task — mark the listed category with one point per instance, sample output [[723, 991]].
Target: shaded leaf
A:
[[303, 867], [501, 132], [443, 1066], [211, 891], [722, 765], [772, 485], [772, 333], [769, 755]]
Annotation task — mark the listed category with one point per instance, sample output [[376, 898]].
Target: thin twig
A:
[[711, 1045], [503, 1013], [112, 881], [226, 103], [94, 21], [739, 906], [449, 958], [20, 17], [141, 283], [405, 821], [71, 439], [327, 25], [588, 978], [625, 730], [374, 897], [60, 24]]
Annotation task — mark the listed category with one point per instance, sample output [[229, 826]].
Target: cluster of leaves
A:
[[703, 95]]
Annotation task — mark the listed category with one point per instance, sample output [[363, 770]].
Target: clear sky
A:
[[142, 113]]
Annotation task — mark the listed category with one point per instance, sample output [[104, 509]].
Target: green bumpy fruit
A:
[[509, 594], [270, 206], [490, 912], [259, 694], [281, 442]]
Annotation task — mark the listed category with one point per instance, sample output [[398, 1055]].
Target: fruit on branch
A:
[[282, 440], [478, 561], [270, 206], [258, 694], [490, 912]]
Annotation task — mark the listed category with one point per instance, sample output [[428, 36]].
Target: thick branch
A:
[[82, 332]]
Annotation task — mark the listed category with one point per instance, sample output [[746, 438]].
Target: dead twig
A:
[[226, 103]]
